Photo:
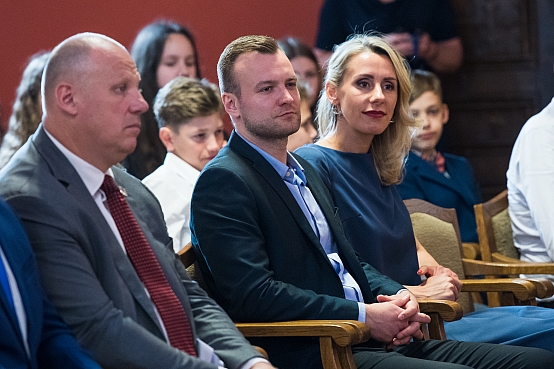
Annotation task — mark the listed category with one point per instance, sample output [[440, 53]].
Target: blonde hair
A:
[[391, 147]]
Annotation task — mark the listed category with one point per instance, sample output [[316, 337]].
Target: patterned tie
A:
[[149, 270], [436, 159]]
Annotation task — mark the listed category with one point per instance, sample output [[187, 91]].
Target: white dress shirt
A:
[[531, 189], [172, 184]]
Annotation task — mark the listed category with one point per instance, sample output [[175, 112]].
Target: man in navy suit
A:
[[271, 246], [33, 334]]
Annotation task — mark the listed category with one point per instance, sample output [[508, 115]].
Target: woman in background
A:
[[162, 51], [27, 108], [305, 66]]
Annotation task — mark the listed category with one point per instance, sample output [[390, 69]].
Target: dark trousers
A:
[[434, 354]]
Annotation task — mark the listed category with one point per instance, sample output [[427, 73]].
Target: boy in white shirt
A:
[[189, 114]]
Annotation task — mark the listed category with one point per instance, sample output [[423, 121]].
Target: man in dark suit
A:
[[271, 247], [33, 334], [92, 236]]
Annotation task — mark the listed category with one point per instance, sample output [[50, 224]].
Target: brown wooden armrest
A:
[[342, 332], [439, 311], [545, 288], [335, 337], [522, 289], [472, 250], [448, 310], [479, 267]]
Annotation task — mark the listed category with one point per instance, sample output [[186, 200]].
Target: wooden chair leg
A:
[[435, 329], [334, 356]]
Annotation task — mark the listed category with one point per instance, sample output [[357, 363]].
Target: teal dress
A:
[[378, 225]]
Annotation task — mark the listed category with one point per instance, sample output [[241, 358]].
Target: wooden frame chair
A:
[[336, 337], [437, 230], [494, 230]]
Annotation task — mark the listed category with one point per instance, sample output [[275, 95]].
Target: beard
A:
[[272, 129]]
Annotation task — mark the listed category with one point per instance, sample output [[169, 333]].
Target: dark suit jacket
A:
[[461, 191], [90, 279], [258, 253], [50, 343]]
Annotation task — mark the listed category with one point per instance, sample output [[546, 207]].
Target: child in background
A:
[[445, 180], [189, 113]]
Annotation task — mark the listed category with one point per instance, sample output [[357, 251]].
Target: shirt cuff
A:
[[250, 363], [401, 290], [361, 312]]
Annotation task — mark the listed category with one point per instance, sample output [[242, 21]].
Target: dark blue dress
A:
[[378, 225], [373, 216]]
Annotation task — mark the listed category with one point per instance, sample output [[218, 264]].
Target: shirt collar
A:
[[91, 176], [276, 164]]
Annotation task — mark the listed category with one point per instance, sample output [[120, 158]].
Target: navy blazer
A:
[[51, 345], [461, 191], [259, 255]]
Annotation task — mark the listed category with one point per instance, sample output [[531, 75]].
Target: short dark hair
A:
[[183, 99], [242, 45]]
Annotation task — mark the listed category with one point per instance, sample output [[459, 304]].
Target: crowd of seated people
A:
[[115, 160]]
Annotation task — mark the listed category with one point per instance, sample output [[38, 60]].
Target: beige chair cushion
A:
[[440, 240], [502, 226]]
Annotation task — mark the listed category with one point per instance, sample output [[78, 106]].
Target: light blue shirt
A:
[[293, 176]]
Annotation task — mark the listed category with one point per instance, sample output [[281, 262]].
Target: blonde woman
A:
[[365, 130]]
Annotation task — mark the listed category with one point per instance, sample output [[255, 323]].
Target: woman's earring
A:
[[336, 110]]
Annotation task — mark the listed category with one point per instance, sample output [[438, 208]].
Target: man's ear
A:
[[445, 113], [166, 136], [230, 103], [64, 93]]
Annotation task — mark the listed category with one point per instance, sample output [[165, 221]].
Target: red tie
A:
[[149, 270]]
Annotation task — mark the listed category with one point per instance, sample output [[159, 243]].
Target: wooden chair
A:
[[494, 229], [437, 230], [336, 337]]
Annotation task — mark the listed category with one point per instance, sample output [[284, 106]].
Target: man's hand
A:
[[411, 314], [395, 319], [441, 284]]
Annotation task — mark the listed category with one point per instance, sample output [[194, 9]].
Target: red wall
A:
[[27, 26]]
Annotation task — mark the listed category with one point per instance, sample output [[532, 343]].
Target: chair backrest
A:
[[188, 258], [494, 228], [438, 231]]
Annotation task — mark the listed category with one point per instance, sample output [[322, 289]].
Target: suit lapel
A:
[[64, 172]]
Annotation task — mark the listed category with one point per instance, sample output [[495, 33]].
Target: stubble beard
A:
[[271, 129]]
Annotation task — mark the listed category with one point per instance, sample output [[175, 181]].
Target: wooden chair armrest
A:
[[447, 310], [545, 287], [522, 289], [479, 267], [439, 311], [335, 337], [472, 250], [343, 332]]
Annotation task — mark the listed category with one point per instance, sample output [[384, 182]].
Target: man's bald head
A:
[[70, 59]]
